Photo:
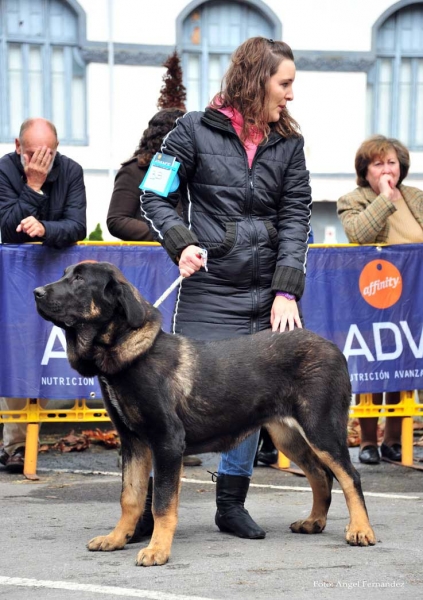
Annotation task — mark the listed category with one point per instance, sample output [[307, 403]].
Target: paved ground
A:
[[45, 526]]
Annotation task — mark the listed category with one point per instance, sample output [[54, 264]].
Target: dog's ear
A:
[[123, 295], [131, 305]]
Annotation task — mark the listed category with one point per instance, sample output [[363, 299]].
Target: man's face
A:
[[37, 136]]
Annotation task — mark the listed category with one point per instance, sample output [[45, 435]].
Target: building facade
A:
[[94, 67]]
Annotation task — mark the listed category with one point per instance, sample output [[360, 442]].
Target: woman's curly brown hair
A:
[[245, 84], [152, 138]]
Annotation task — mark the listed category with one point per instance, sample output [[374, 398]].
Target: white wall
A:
[[135, 94], [328, 24], [330, 106], [306, 24], [331, 109], [134, 21]]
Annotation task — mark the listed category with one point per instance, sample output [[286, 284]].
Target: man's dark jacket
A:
[[61, 208]]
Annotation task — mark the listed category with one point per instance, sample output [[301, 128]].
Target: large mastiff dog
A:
[[168, 395]]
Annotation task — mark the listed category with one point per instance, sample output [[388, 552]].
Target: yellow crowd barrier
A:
[[33, 414]]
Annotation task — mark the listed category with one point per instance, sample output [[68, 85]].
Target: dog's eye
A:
[[76, 277]]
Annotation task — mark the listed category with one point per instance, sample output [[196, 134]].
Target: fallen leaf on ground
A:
[[110, 438], [72, 443]]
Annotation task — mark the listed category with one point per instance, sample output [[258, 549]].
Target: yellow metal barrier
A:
[[34, 414]]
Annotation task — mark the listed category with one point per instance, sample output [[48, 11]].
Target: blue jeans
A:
[[240, 460]]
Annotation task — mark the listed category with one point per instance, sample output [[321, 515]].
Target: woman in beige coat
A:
[[382, 209]]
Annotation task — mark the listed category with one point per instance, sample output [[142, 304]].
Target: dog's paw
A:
[[150, 557], [308, 526], [360, 536], [105, 543]]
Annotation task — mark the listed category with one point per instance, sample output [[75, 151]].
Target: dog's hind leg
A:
[[359, 531], [167, 483], [135, 476], [288, 439]]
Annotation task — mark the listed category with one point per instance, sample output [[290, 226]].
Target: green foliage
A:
[[96, 235]]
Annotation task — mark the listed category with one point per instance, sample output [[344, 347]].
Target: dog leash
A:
[[202, 254]]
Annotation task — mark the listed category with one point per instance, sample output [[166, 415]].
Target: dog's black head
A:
[[108, 323], [90, 293]]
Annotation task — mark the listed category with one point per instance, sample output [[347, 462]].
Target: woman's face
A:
[[279, 90], [387, 167]]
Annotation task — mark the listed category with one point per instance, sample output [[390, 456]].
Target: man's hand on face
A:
[[37, 168], [31, 227]]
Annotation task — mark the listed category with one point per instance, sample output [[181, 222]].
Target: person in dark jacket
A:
[[42, 193], [42, 199], [124, 219], [246, 199]]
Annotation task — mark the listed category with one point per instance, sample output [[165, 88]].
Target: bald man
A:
[[42, 193], [42, 199]]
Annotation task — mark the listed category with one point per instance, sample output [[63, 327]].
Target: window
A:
[[210, 33], [396, 80], [41, 70]]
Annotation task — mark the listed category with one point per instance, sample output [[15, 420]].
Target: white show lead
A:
[[202, 254]]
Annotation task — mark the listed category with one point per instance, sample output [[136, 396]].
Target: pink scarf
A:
[[237, 121]]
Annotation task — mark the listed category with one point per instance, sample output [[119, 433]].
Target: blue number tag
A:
[[162, 175]]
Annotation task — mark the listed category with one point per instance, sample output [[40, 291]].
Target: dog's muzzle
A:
[[39, 293]]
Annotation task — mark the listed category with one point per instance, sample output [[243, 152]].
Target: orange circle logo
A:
[[380, 284]]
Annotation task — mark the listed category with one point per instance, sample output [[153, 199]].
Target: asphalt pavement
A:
[[45, 526]]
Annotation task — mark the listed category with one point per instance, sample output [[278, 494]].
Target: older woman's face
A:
[[387, 167]]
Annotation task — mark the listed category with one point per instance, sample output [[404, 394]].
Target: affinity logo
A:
[[380, 284]]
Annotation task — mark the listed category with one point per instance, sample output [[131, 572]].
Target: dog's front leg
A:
[[167, 482], [135, 475]]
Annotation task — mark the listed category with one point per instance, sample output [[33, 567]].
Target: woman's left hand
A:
[[284, 314]]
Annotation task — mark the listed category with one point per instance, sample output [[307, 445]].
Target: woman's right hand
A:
[[387, 187], [190, 261]]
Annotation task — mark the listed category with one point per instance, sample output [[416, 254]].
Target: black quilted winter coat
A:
[[254, 222]]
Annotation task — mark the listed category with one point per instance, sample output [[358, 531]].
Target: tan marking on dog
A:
[[293, 423], [134, 289], [134, 492], [359, 531], [183, 376], [283, 434], [135, 344], [107, 336], [94, 310], [158, 550]]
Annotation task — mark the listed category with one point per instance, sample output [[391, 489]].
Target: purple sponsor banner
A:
[[33, 362], [367, 300]]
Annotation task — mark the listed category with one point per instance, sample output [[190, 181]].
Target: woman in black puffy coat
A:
[[246, 198]]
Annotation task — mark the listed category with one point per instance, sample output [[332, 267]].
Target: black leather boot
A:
[[266, 451], [145, 524], [231, 516]]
